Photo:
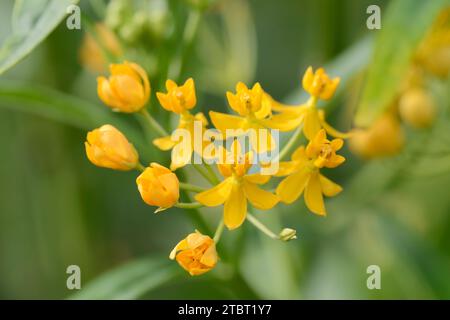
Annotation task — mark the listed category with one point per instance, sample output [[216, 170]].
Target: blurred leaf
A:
[[32, 22], [403, 26], [63, 108], [131, 280]]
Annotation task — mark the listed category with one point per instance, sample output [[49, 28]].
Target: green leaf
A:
[[404, 25], [32, 22], [131, 280], [66, 109]]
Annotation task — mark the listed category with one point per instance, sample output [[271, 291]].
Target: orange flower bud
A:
[[158, 186], [416, 108], [196, 253], [318, 84], [107, 147], [126, 90]]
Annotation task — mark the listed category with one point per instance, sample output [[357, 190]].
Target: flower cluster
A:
[[257, 117]]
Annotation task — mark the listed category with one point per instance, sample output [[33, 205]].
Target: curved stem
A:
[[219, 231], [188, 205], [204, 173], [153, 123], [191, 187], [258, 224], [212, 173], [290, 144], [140, 167]]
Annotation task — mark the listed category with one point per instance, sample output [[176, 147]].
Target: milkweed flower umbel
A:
[[196, 253], [126, 90], [107, 147], [238, 187], [158, 186], [303, 173]]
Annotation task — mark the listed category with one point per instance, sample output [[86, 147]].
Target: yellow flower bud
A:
[[246, 101], [107, 147], [384, 138], [288, 234], [196, 253], [178, 99], [126, 90], [416, 108], [318, 84], [158, 186], [91, 54]]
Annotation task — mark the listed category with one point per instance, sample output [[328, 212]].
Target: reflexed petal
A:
[[332, 131], [291, 188], [259, 198], [224, 121], [334, 161], [209, 258], [164, 143], [216, 195], [286, 167], [257, 178], [311, 123], [329, 188], [235, 209], [182, 245], [313, 195]]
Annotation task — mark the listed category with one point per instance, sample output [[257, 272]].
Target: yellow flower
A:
[[180, 99], [320, 86], [237, 187], [107, 147], [91, 54], [303, 173], [384, 138], [417, 108], [158, 186], [126, 90], [196, 253], [254, 110]]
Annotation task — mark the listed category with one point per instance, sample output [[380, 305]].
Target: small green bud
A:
[[288, 234]]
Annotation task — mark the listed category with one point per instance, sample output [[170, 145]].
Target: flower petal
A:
[[164, 143], [259, 198], [235, 209], [216, 195], [311, 123], [224, 121], [313, 195], [257, 178], [329, 188], [291, 188]]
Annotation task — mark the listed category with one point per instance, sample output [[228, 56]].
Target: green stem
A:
[[153, 123], [258, 224], [140, 167], [290, 144], [189, 205], [219, 231], [212, 174], [191, 187], [204, 173]]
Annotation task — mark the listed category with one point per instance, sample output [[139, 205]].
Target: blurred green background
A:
[[57, 209]]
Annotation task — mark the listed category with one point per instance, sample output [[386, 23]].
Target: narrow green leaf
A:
[[130, 281], [403, 26], [32, 22]]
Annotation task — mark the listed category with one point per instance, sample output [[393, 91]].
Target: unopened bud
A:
[[288, 234]]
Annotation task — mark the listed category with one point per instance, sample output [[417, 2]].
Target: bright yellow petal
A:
[[235, 209], [332, 131], [283, 121], [224, 121], [216, 195], [329, 188], [291, 188], [313, 195], [164, 143], [181, 155], [259, 198], [286, 167], [257, 178], [311, 124]]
